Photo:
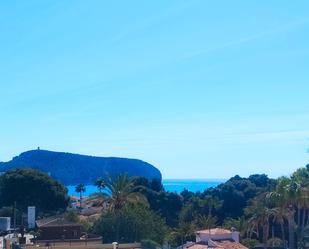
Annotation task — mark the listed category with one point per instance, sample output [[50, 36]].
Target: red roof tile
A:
[[222, 244]]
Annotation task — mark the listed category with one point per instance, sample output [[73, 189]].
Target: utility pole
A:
[[14, 218]]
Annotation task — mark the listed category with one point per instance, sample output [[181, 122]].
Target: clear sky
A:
[[200, 89]]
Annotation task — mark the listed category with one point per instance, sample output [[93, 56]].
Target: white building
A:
[[216, 238], [31, 217], [217, 234], [5, 223]]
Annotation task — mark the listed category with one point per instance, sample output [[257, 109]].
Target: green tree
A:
[[121, 191], [29, 187], [250, 243], [167, 204], [301, 177], [287, 192], [211, 202], [206, 222], [260, 215], [100, 184], [279, 218], [80, 188], [71, 215], [183, 232], [133, 222], [240, 224]]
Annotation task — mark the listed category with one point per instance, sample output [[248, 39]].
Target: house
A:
[[216, 238], [58, 228], [217, 234]]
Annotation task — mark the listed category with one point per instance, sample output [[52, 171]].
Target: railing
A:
[[79, 244]]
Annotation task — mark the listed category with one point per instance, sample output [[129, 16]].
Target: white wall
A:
[[204, 237]]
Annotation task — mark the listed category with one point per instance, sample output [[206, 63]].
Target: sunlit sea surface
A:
[[172, 185]]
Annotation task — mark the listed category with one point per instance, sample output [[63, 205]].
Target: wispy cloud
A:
[[280, 29], [151, 20]]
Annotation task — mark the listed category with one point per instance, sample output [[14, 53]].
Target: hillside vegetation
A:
[[72, 169]]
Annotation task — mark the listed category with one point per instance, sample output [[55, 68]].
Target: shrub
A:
[[150, 244], [275, 242], [250, 243]]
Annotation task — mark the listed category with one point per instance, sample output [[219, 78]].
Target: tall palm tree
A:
[[80, 188], [121, 192], [288, 191], [279, 211], [279, 218], [301, 177], [100, 184], [260, 217]]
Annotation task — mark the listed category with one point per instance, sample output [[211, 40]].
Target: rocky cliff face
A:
[[72, 169]]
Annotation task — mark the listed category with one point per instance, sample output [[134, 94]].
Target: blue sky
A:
[[200, 89]]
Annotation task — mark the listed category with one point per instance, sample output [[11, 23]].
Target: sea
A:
[[171, 185]]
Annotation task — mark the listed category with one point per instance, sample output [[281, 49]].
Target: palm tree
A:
[[260, 217], [279, 218], [211, 203], [206, 222], [121, 191], [288, 192], [184, 231], [301, 177], [240, 224], [80, 188], [279, 212], [100, 184]]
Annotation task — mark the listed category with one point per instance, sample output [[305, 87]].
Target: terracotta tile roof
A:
[[214, 231], [197, 246], [227, 244], [222, 244], [55, 222]]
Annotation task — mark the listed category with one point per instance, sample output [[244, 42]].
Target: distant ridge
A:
[[72, 169]]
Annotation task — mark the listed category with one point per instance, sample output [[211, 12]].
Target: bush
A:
[[130, 224], [275, 242], [71, 215], [86, 226], [250, 243], [150, 244]]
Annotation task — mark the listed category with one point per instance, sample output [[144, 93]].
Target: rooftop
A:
[[222, 244], [55, 222], [214, 231]]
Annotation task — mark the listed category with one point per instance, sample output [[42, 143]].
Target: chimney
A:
[[235, 234], [115, 245]]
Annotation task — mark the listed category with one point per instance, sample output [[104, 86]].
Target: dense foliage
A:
[[132, 223], [29, 187], [267, 212], [167, 204], [72, 169], [129, 218]]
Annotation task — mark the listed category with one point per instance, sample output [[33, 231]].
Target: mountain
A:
[[72, 169]]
